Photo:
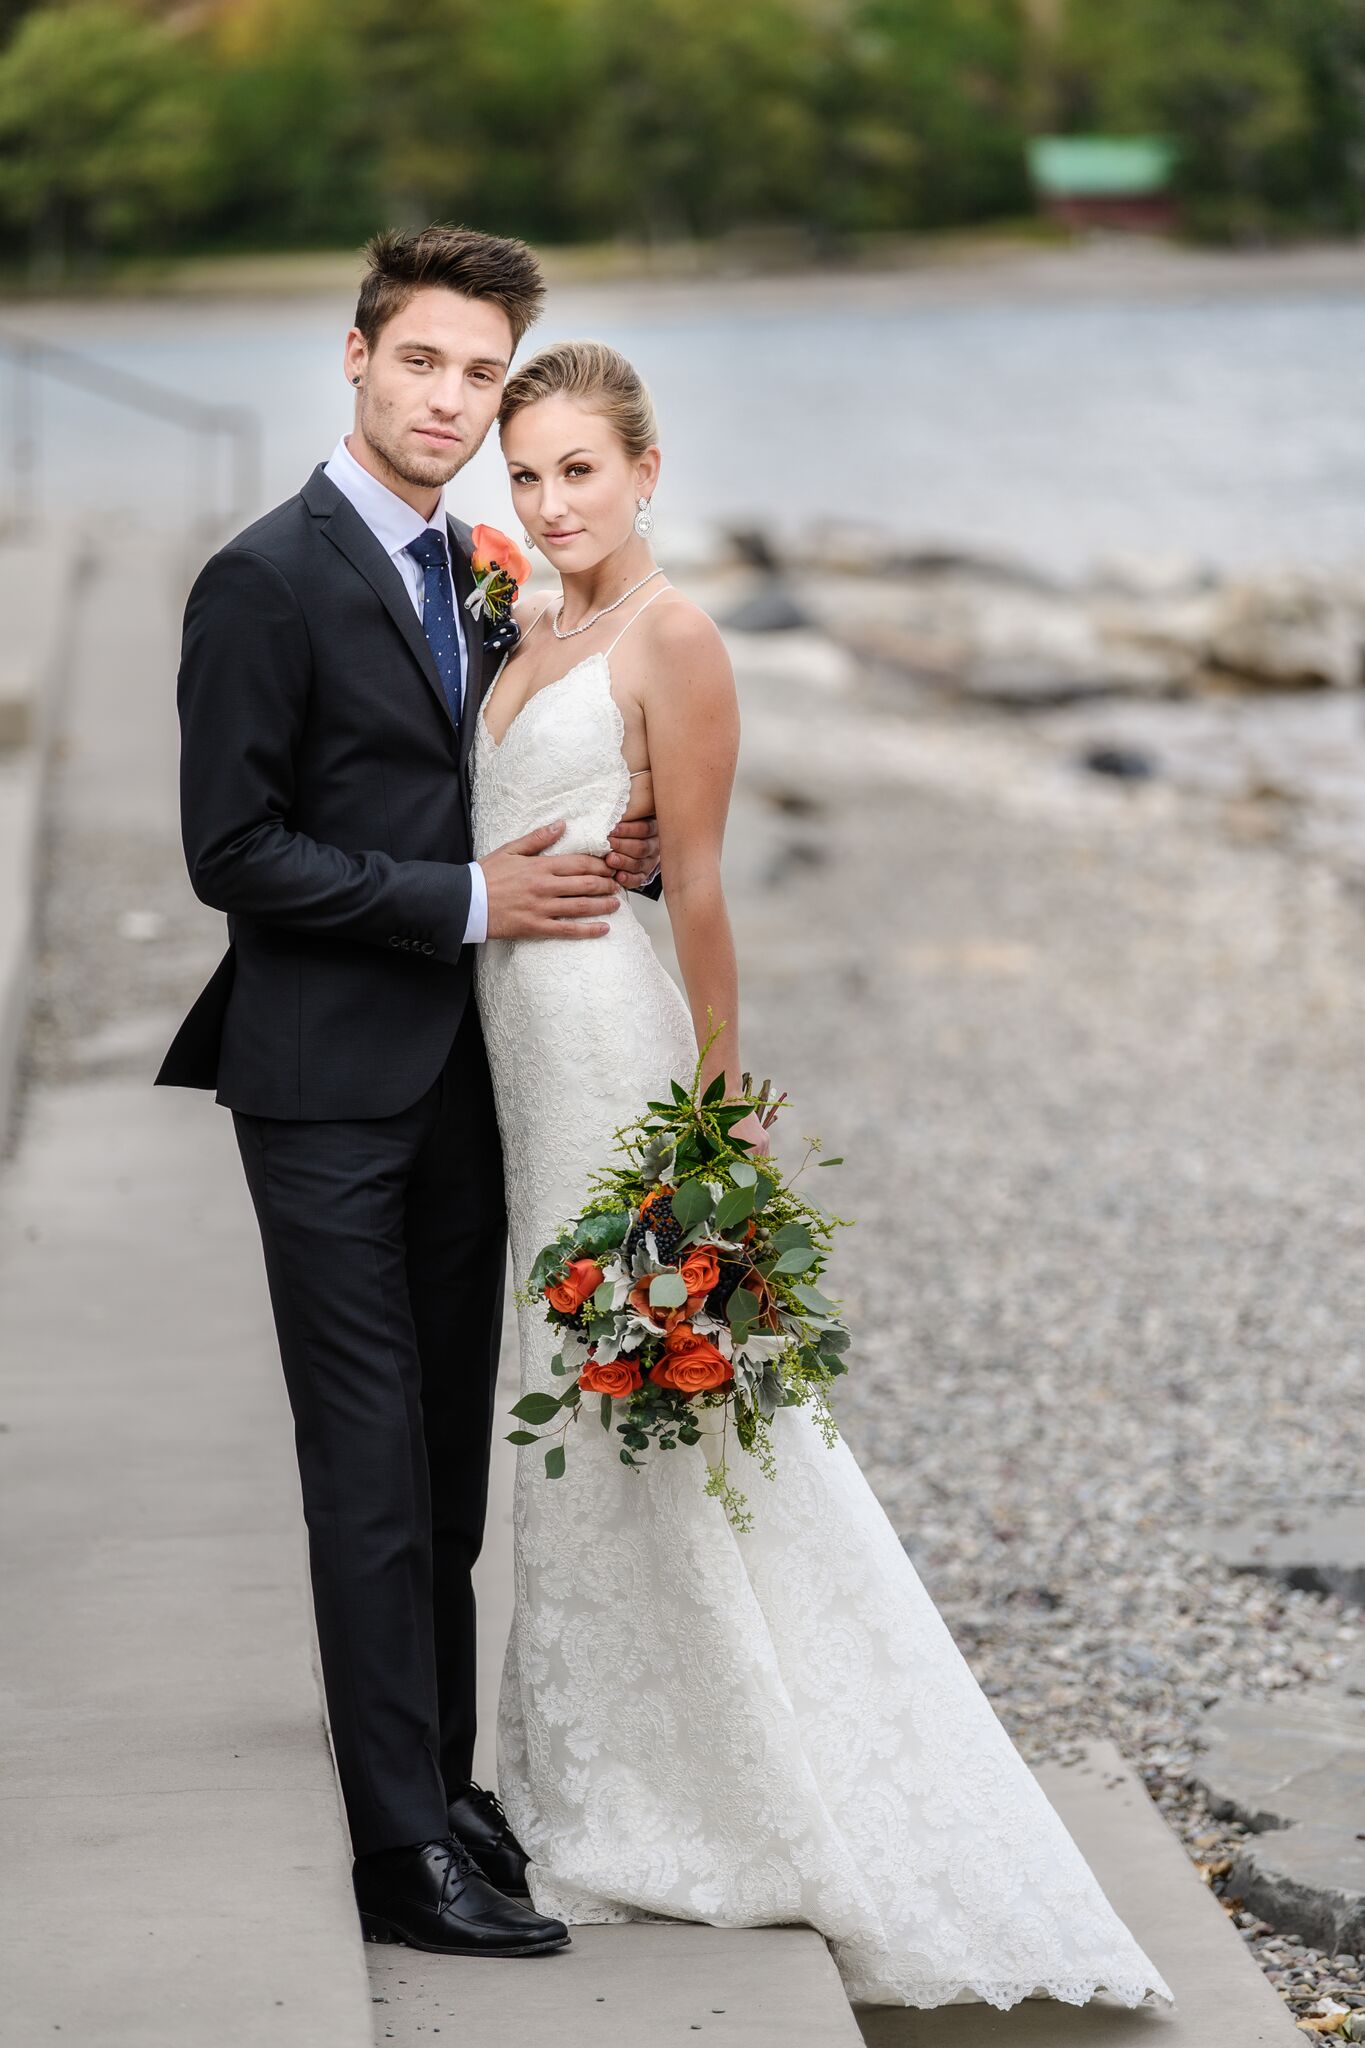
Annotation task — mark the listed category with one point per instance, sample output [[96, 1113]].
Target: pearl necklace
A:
[[554, 623]]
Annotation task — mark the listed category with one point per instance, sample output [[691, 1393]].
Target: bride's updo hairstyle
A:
[[598, 377]]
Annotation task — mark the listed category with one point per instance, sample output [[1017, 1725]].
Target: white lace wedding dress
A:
[[735, 1729]]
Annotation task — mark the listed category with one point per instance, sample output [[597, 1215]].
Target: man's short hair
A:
[[494, 268]]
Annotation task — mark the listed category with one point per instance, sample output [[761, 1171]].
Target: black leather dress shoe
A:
[[477, 1820], [433, 1896]]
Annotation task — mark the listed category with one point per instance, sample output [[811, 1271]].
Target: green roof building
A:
[[1121, 181]]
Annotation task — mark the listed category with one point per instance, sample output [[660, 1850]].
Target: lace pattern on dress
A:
[[742, 1730]]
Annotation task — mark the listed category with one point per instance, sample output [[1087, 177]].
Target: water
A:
[[1229, 428]]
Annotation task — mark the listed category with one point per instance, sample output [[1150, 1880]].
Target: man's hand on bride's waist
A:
[[634, 859], [533, 894]]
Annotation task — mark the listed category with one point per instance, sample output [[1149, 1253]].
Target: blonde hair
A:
[[595, 374]]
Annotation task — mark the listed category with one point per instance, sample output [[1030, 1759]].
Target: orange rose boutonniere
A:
[[500, 569]]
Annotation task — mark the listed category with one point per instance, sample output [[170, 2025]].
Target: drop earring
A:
[[530, 544], [644, 518]]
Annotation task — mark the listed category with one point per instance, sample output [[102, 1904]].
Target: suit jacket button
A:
[[427, 946], [394, 939]]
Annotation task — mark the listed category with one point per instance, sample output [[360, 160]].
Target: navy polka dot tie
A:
[[438, 613]]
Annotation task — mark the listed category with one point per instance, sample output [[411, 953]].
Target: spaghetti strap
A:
[[532, 627], [634, 616]]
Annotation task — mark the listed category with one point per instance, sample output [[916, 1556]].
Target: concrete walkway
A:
[[173, 1867], [162, 1746]]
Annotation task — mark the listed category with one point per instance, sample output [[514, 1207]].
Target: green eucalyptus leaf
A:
[[798, 1260], [603, 1233], [522, 1436], [763, 1194], [792, 1236], [692, 1203], [742, 1309], [548, 1261], [537, 1407], [812, 1298], [667, 1290], [744, 1173], [734, 1206], [554, 1462], [604, 1297]]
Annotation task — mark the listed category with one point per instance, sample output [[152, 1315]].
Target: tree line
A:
[[283, 124]]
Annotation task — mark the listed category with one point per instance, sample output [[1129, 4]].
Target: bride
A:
[[697, 1724]]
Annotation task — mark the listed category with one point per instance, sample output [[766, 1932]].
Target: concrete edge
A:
[[25, 783]]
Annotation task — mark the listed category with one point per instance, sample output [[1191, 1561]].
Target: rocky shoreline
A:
[[1243, 694]]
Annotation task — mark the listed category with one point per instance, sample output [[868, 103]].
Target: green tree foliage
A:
[[289, 122], [1265, 98], [102, 138]]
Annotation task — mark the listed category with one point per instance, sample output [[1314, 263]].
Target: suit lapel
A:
[[349, 534], [473, 637]]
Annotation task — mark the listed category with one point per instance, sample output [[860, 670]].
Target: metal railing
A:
[[210, 427]]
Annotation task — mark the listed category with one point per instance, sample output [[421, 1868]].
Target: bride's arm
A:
[[692, 730]]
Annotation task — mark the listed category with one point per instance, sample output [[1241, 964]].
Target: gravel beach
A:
[[1095, 1069]]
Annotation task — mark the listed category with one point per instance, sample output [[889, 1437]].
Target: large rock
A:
[[1314, 1550], [997, 639], [1292, 629], [1293, 1770]]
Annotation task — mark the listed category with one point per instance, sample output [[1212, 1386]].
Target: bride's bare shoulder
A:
[[680, 635]]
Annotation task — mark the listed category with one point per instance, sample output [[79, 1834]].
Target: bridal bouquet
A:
[[686, 1293]]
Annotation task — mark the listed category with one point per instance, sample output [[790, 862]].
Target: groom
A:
[[330, 679]]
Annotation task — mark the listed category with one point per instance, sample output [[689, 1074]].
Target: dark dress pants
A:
[[385, 1248]]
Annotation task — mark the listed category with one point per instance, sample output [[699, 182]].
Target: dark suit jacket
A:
[[325, 808]]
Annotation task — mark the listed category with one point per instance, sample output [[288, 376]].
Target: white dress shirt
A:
[[395, 524]]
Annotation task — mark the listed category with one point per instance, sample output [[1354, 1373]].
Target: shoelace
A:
[[491, 1807], [459, 1863]]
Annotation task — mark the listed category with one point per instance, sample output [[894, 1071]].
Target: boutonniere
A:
[[500, 569]]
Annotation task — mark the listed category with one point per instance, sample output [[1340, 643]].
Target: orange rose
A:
[[700, 1273], [662, 1318], [490, 549], [691, 1363], [583, 1277], [615, 1376]]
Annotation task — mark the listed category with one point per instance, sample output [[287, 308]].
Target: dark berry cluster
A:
[[730, 1277], [656, 1214]]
